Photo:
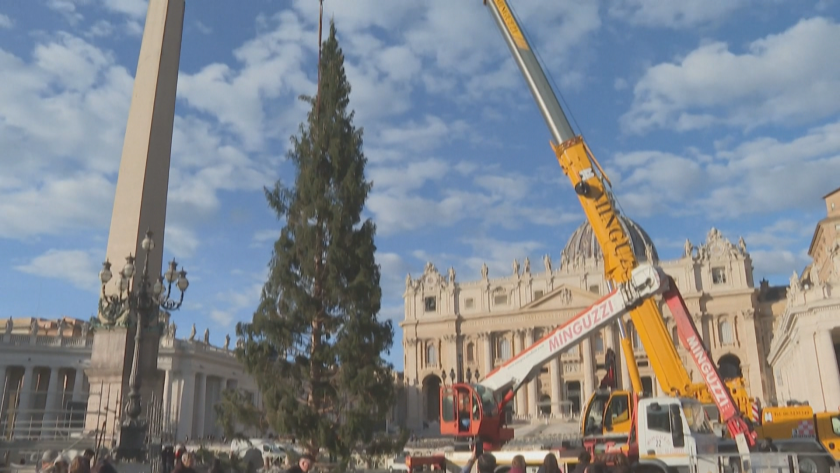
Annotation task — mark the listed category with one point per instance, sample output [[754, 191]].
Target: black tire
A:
[[813, 464]]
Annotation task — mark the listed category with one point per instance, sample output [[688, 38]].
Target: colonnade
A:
[[189, 398], [34, 400]]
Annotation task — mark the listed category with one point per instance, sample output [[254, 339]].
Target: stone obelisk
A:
[[139, 205]]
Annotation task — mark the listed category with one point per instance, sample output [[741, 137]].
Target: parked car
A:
[[397, 463], [267, 448]]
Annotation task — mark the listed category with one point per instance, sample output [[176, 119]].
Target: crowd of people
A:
[[83, 462], [180, 460]]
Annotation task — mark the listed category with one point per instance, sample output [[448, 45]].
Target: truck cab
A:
[[670, 433], [674, 434]]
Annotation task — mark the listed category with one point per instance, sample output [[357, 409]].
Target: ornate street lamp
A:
[[469, 375], [443, 376], [140, 301], [452, 374]]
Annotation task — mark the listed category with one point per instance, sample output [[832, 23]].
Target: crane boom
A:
[[690, 338], [527, 61], [646, 282], [592, 186]]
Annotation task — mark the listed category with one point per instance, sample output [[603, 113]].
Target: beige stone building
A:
[[467, 328], [804, 351]]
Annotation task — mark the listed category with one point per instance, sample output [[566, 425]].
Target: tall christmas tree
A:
[[315, 344]]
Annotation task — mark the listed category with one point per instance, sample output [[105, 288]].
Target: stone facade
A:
[[804, 350], [467, 328], [44, 388]]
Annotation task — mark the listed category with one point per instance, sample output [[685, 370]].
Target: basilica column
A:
[[452, 347], [49, 417], [521, 397], [487, 338], [78, 384], [200, 407], [25, 395], [3, 389], [186, 405], [588, 370], [556, 385], [533, 397], [167, 396], [829, 377]]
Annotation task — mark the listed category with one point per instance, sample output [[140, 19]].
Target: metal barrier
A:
[[764, 462]]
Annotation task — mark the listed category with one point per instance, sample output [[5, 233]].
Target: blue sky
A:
[[705, 113]]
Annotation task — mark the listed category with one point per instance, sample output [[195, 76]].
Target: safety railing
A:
[[764, 462]]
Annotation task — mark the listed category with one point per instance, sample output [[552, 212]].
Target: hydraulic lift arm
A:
[[505, 380]]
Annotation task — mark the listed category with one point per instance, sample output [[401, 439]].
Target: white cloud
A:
[[235, 301], [202, 27], [100, 29], [76, 202], [770, 263], [53, 105], [262, 237], [402, 179], [78, 267], [786, 78], [181, 242], [496, 253], [132, 8], [670, 14], [393, 269], [222, 317], [272, 67], [396, 314], [620, 83], [5, 21], [758, 176], [431, 133], [67, 8]]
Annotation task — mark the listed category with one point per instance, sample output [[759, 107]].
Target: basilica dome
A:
[[583, 245]]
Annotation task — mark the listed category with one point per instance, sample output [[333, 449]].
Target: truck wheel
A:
[[810, 464]]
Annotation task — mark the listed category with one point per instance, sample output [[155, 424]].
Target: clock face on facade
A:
[[430, 280]]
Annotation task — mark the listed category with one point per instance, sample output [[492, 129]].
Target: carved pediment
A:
[[718, 247], [431, 279], [563, 297]]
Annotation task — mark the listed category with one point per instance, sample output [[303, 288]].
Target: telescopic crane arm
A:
[[592, 185], [505, 380]]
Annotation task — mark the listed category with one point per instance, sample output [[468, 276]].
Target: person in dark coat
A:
[[216, 467], [303, 466], [583, 462]]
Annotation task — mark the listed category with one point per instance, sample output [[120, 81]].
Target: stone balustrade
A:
[[13, 339]]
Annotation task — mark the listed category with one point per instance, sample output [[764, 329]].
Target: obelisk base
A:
[[132, 442], [110, 365], [110, 361]]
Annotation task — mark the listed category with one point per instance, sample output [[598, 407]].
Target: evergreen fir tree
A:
[[315, 343]]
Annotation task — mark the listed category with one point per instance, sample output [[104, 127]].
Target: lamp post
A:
[[141, 299]]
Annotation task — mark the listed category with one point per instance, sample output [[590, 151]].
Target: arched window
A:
[[431, 355], [504, 349], [470, 352], [675, 335], [599, 343], [727, 337]]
